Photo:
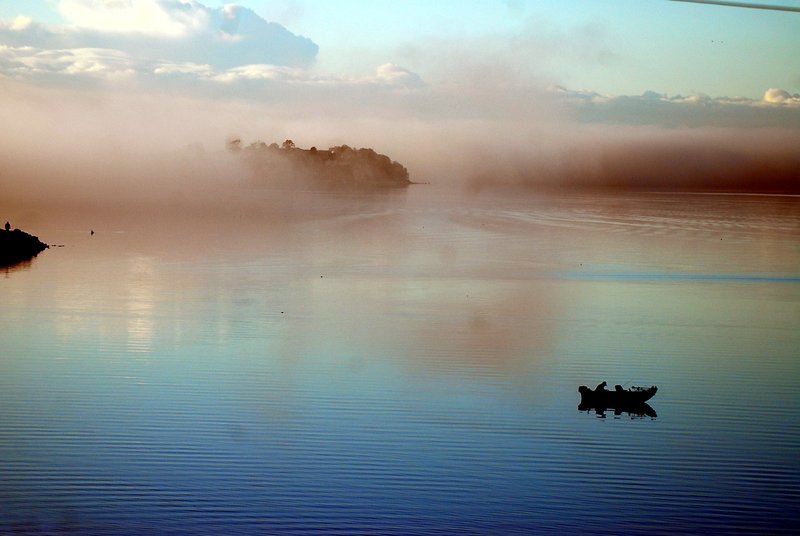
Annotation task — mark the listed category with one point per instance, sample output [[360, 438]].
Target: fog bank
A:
[[81, 148]]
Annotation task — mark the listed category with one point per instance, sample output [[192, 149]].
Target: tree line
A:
[[339, 166]]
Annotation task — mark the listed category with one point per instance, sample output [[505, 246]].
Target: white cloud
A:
[[21, 22], [260, 72], [188, 69], [144, 16], [780, 96], [776, 109], [305, 84], [180, 31], [93, 63], [107, 64], [392, 74], [184, 46], [86, 66]]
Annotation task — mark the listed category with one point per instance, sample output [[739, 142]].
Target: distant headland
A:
[[336, 167], [17, 246]]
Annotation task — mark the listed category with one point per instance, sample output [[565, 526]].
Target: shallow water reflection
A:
[[408, 366]]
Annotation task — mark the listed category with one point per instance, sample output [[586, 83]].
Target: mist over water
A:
[[228, 338], [211, 348], [236, 352], [88, 151]]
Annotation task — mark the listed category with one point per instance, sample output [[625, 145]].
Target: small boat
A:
[[631, 401], [619, 397]]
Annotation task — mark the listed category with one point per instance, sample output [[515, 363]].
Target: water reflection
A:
[[20, 266], [404, 367], [640, 410], [140, 304]]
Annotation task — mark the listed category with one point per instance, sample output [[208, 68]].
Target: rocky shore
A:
[[17, 246]]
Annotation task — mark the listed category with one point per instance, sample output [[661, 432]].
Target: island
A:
[[18, 246], [335, 168]]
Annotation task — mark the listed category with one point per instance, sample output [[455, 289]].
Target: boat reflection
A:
[[636, 410]]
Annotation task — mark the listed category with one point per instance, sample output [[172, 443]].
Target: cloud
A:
[[94, 63], [144, 16], [259, 72], [178, 45], [534, 54], [184, 46], [386, 77], [395, 75], [93, 67], [166, 30], [776, 109], [21, 22], [780, 96]]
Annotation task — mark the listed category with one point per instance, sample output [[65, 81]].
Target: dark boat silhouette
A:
[[619, 396], [632, 401]]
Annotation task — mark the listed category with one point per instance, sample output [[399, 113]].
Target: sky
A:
[[619, 47], [551, 89]]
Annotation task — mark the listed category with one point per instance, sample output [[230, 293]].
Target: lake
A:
[[405, 363]]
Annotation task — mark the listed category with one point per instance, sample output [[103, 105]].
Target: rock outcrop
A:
[[17, 246]]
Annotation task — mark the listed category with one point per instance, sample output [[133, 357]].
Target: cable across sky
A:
[[748, 5]]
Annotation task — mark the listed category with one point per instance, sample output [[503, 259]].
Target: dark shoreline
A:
[[18, 246]]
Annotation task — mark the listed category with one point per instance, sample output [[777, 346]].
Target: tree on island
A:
[[234, 144], [337, 167]]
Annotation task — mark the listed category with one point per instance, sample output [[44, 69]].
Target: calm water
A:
[[406, 364]]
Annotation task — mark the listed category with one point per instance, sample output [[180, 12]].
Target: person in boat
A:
[[601, 388]]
